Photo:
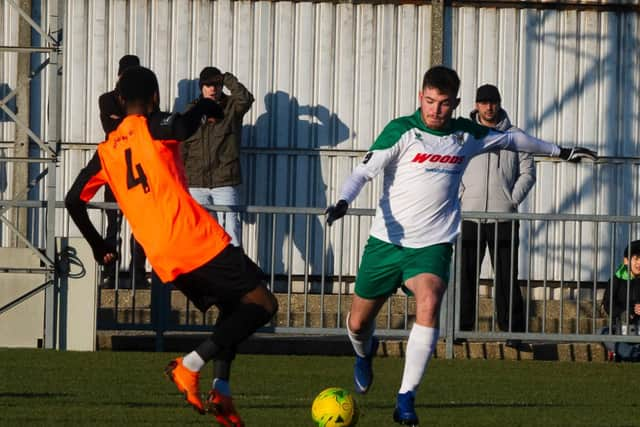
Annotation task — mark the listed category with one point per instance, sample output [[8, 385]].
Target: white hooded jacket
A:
[[497, 181]]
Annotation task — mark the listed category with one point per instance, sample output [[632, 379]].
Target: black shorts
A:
[[221, 281]]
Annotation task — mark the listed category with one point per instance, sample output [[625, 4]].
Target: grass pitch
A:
[[41, 387]]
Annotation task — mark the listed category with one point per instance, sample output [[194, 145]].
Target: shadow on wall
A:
[[3, 172], [187, 91], [600, 182], [5, 89], [276, 176]]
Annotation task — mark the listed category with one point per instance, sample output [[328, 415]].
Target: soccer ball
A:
[[334, 407]]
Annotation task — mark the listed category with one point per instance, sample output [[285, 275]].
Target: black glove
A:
[[209, 108], [336, 211], [576, 154]]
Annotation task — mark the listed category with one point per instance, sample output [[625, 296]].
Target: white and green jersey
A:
[[422, 168]]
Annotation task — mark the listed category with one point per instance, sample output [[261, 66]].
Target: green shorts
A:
[[385, 267]]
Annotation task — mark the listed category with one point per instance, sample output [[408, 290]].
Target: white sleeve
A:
[[520, 141], [373, 163], [517, 140], [352, 186]]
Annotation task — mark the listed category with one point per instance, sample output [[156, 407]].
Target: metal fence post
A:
[[453, 298], [160, 306], [51, 293]]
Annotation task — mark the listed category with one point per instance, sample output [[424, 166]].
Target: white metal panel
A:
[[8, 66], [9, 19], [8, 81], [570, 77], [38, 118], [330, 76], [324, 76]]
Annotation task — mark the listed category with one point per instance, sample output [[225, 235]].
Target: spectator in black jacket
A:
[[619, 307], [111, 114], [622, 303]]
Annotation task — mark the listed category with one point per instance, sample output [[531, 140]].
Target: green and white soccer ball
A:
[[334, 407]]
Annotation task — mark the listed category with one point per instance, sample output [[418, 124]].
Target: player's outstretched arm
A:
[[83, 189], [577, 154], [520, 141]]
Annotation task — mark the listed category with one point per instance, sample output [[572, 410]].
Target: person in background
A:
[[623, 307], [111, 115], [497, 181], [212, 154]]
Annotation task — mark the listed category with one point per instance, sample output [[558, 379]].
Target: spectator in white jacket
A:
[[494, 182]]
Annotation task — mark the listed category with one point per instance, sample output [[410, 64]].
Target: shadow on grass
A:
[[34, 395], [472, 405], [391, 404], [177, 405], [492, 405]]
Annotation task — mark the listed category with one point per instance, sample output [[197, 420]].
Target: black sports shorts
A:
[[221, 281]]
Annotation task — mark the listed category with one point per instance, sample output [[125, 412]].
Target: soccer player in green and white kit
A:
[[417, 220]]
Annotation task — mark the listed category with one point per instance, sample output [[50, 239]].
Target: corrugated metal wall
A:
[[41, 105], [8, 66], [325, 76], [328, 76], [571, 77], [8, 82]]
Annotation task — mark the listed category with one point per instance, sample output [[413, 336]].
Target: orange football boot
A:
[[187, 383], [222, 408]]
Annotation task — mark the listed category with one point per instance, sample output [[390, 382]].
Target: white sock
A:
[[361, 342], [421, 345], [222, 386], [193, 362]]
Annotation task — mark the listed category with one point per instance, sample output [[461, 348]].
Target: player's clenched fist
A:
[[336, 211]]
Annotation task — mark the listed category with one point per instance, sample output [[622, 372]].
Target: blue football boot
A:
[[363, 371], [405, 412]]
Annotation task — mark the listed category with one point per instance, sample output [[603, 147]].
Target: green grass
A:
[[41, 387]]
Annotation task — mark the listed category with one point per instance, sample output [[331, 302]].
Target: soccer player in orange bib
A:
[[140, 161]]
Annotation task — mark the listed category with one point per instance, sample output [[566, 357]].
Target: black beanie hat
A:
[[635, 249], [210, 76], [488, 93]]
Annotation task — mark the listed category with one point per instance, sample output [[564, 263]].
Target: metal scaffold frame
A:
[[49, 47]]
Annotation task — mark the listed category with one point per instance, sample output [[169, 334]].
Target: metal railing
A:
[[568, 309], [315, 294]]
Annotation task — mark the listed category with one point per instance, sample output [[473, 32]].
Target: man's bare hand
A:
[[109, 258]]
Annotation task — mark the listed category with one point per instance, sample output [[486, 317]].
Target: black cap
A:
[[488, 93], [210, 76], [635, 249], [127, 61]]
